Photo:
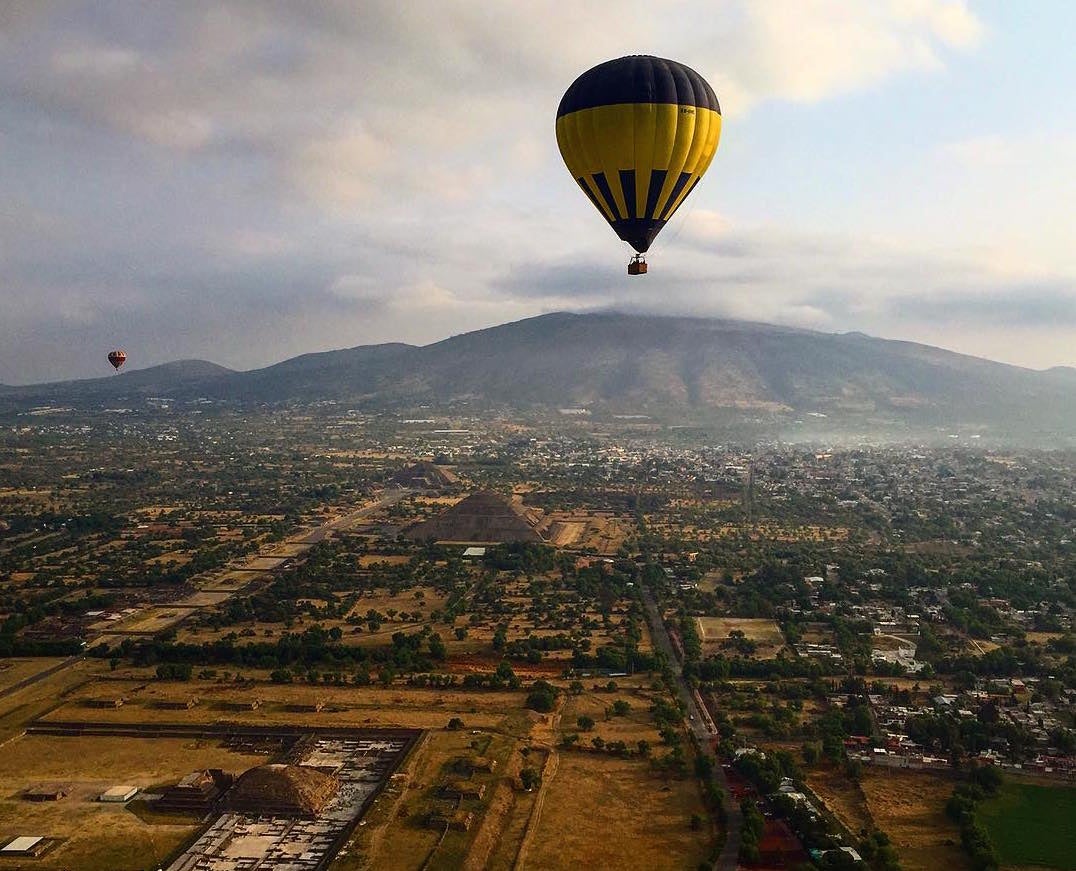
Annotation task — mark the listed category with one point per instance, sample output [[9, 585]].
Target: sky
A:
[[248, 181]]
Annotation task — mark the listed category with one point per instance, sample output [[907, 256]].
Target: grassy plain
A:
[[409, 707], [764, 633], [909, 806], [14, 670], [606, 812], [97, 836], [1033, 825]]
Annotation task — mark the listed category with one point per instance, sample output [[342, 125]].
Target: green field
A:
[[1033, 825]]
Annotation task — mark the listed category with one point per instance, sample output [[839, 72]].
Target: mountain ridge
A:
[[616, 363]]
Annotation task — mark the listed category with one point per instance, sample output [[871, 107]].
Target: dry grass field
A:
[[352, 706], [764, 633], [14, 670], [43, 696], [909, 806], [842, 797], [393, 835], [98, 836], [605, 812], [367, 560], [637, 725]]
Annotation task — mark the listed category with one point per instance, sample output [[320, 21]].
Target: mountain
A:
[[179, 377], [671, 368]]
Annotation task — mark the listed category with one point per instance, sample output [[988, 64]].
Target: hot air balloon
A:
[[637, 134], [117, 358]]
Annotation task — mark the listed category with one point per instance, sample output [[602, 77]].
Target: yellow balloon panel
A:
[[637, 162]]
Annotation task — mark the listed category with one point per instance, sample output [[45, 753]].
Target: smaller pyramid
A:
[[484, 517], [424, 475], [282, 790]]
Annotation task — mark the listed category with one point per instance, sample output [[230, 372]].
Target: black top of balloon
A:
[[638, 78]]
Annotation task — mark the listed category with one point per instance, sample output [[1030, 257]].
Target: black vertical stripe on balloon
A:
[[607, 194], [657, 182], [627, 187], [679, 186], [590, 194]]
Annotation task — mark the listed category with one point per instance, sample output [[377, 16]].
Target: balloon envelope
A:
[[637, 134], [117, 358]]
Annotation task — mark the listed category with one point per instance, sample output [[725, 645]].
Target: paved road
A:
[[40, 675], [700, 724], [320, 533]]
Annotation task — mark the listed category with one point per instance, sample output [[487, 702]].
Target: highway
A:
[[702, 727]]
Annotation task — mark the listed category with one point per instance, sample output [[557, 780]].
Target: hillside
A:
[[688, 368], [178, 378]]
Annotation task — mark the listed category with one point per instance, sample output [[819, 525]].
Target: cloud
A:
[[1046, 304], [813, 50], [257, 179], [826, 281]]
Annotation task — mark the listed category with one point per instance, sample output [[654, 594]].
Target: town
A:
[[463, 640]]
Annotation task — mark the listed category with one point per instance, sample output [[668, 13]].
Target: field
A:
[[372, 706], [393, 836], [764, 633], [606, 812], [636, 725], [14, 670], [909, 806], [97, 835], [1032, 825]]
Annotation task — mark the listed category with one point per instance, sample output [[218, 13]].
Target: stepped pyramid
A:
[[282, 790], [484, 517], [425, 476]]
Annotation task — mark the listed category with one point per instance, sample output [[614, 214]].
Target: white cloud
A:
[[816, 49], [271, 177], [979, 151]]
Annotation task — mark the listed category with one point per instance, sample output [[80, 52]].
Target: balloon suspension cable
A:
[[637, 265]]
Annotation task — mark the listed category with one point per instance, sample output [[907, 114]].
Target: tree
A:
[[530, 778], [704, 766], [542, 697], [585, 722], [455, 724], [621, 708]]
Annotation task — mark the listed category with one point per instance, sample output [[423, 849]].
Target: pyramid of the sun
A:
[[483, 517]]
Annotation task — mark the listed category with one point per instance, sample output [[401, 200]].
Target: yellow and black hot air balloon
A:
[[637, 133]]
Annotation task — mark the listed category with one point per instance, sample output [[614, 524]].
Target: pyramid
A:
[[282, 790], [484, 517], [424, 475]]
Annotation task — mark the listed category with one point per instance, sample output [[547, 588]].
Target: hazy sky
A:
[[245, 182]]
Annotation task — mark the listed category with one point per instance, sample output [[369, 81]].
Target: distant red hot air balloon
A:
[[117, 358]]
